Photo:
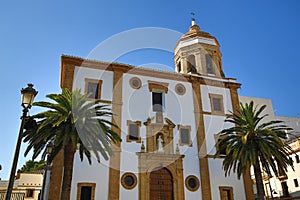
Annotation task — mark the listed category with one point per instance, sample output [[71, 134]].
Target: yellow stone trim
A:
[[177, 87], [220, 97], [201, 143], [68, 64], [223, 195], [114, 170], [167, 133], [129, 187], [80, 185], [187, 183], [219, 114], [158, 86], [189, 129], [135, 79], [138, 123], [151, 161]]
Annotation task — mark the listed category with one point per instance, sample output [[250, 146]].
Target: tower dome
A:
[[198, 52]]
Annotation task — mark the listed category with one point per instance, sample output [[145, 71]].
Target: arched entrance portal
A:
[[161, 185]]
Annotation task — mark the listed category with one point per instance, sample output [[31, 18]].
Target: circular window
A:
[[180, 89], [135, 83], [192, 183], [129, 180]]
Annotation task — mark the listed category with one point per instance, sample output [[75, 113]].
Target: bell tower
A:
[[198, 52]]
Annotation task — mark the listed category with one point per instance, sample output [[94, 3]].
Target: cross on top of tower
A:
[[193, 18]]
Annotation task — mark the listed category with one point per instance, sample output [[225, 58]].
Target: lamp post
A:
[[28, 95], [49, 149]]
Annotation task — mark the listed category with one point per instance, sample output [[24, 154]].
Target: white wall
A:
[[137, 106], [81, 73], [217, 179], [206, 90], [214, 123], [95, 173]]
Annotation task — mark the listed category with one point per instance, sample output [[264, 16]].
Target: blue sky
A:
[[259, 41]]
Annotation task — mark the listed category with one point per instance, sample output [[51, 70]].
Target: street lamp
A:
[[49, 149], [28, 95]]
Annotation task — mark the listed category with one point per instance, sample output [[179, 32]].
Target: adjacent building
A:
[[287, 184], [27, 186]]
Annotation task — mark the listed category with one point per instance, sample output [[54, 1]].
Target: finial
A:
[[193, 18], [143, 147], [177, 149]]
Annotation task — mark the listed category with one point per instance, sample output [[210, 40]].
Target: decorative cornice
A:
[[68, 64]]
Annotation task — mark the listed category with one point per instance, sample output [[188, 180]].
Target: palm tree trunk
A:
[[259, 181], [69, 152]]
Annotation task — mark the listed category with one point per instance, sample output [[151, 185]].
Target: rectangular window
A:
[[93, 87], [296, 183], [226, 193], [185, 135], [157, 101], [297, 159], [86, 191], [29, 192], [133, 131], [216, 101]]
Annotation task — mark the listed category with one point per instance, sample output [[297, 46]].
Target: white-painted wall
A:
[[214, 123], [95, 173], [217, 179], [81, 73], [137, 106]]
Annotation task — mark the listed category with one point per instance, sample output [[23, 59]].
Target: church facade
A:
[[168, 122]]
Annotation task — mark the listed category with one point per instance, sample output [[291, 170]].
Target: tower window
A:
[[191, 64], [93, 87], [209, 64], [179, 66]]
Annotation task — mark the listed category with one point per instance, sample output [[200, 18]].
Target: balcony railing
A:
[[14, 195]]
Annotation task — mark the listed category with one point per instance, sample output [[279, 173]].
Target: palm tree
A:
[[252, 142], [71, 122]]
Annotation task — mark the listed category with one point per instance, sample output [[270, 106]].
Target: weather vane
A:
[[193, 15]]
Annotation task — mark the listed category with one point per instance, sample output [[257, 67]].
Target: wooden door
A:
[[161, 185]]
